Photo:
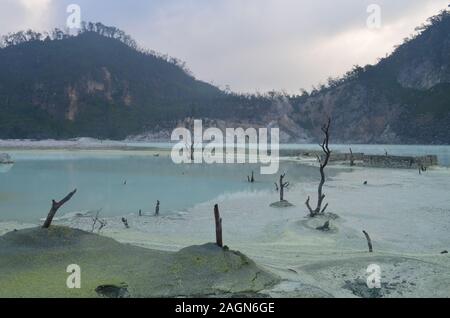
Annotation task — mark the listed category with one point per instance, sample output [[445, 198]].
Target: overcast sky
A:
[[250, 45]]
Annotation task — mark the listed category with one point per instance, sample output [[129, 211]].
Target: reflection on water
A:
[[124, 183], [27, 187], [4, 168], [443, 151]]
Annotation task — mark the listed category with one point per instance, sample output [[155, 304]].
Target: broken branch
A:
[[369, 241], [55, 207]]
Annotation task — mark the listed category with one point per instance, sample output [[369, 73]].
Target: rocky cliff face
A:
[[405, 98]]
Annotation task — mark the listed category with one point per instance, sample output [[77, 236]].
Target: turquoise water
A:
[[37, 177]]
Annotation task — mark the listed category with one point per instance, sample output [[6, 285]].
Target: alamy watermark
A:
[[238, 146], [74, 279], [374, 278], [374, 19], [73, 21]]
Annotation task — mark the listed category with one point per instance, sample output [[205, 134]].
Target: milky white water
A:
[[406, 214]]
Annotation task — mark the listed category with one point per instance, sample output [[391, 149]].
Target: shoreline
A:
[[303, 152], [407, 239]]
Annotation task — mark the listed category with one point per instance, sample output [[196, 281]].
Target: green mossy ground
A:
[[33, 263]]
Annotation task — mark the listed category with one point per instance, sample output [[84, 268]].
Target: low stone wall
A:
[[383, 161], [346, 156], [402, 162]]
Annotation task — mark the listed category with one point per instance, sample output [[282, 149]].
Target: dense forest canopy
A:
[[20, 37], [112, 32]]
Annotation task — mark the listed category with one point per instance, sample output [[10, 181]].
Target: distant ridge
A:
[[101, 84]]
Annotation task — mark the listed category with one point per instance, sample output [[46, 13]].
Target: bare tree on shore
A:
[[96, 219], [323, 161], [55, 207]]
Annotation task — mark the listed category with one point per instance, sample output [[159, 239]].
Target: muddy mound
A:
[[211, 269], [54, 237], [34, 262]]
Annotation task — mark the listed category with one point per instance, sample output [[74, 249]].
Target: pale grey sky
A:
[[250, 45]]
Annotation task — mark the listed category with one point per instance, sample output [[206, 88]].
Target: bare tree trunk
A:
[[101, 222], [323, 164], [55, 207], [282, 186], [95, 219], [157, 208], [102, 225], [352, 161], [219, 241], [369, 241], [125, 222], [252, 178]]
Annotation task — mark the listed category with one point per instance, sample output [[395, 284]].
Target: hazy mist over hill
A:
[[102, 83]]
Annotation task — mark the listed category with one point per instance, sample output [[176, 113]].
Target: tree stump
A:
[[325, 227], [218, 219], [369, 241]]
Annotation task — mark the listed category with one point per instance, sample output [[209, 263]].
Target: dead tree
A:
[[281, 186], [157, 208], [252, 178], [97, 219], [352, 159], [323, 164], [218, 219], [125, 222], [55, 207], [191, 147], [103, 223], [192, 151], [369, 241]]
